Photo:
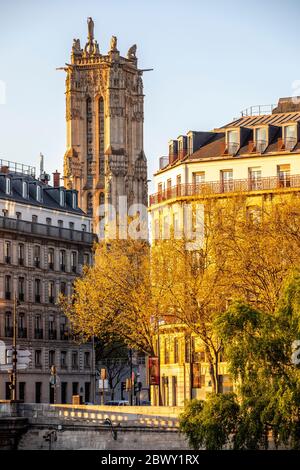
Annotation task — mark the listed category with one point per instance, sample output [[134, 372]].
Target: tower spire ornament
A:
[[90, 23]]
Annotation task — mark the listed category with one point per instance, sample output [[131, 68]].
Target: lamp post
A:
[[14, 352]]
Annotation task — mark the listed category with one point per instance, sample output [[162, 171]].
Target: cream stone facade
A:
[[255, 155], [104, 112]]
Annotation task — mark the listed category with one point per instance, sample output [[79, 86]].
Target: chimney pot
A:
[[56, 179]]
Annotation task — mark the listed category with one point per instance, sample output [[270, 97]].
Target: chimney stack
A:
[[56, 179]]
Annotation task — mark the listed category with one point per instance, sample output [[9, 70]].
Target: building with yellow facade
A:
[[257, 155]]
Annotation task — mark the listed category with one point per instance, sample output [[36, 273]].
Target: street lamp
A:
[[14, 351]]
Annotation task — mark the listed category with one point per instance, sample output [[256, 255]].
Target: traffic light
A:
[[123, 386], [138, 387]]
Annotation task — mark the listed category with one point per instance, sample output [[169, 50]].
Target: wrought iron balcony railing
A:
[[230, 186]]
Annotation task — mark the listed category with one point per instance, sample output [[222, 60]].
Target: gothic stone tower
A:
[[104, 112]]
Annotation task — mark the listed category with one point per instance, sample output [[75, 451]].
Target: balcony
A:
[[229, 148], [38, 333], [258, 146], [52, 334], [288, 143], [46, 231], [8, 331], [211, 188], [22, 332]]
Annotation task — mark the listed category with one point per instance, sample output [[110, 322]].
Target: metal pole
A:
[[158, 360], [14, 352], [131, 397], [94, 370]]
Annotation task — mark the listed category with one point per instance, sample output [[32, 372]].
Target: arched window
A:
[[25, 189], [7, 185]]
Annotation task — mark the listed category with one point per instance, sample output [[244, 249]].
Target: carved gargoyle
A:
[[131, 54]]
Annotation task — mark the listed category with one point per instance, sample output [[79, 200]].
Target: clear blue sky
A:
[[210, 58]]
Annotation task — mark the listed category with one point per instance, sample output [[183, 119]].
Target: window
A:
[[83, 227], [87, 358], [22, 391], [21, 289], [37, 290], [74, 261], [74, 360], [7, 249], [21, 254], [86, 259], [8, 325], [63, 288], [7, 185], [51, 327], [260, 139], [63, 328], [62, 198], [74, 200], [51, 292], [48, 220], [38, 331], [290, 136], [51, 358], [71, 225], [283, 172], [166, 227], [8, 287], [38, 392], [38, 193], [62, 260], [232, 141], [60, 223], [226, 180], [199, 177], [36, 256], [255, 178], [51, 258], [178, 185], [75, 386], [169, 188], [63, 359], [25, 189], [176, 350], [38, 358], [19, 215], [22, 330], [5, 212], [35, 219], [167, 351]]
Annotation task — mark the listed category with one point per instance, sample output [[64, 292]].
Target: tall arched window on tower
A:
[[89, 205], [101, 138], [89, 137]]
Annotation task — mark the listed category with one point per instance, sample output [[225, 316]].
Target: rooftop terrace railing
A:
[[7, 166], [285, 181]]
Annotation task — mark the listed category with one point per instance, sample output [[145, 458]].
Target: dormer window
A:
[[74, 201], [62, 198], [232, 142], [290, 136], [38, 193], [260, 139], [25, 189], [7, 185]]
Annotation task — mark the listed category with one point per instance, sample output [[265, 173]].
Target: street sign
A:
[[23, 358], [7, 367], [103, 384]]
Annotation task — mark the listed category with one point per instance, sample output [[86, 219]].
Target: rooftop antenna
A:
[[44, 177]]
